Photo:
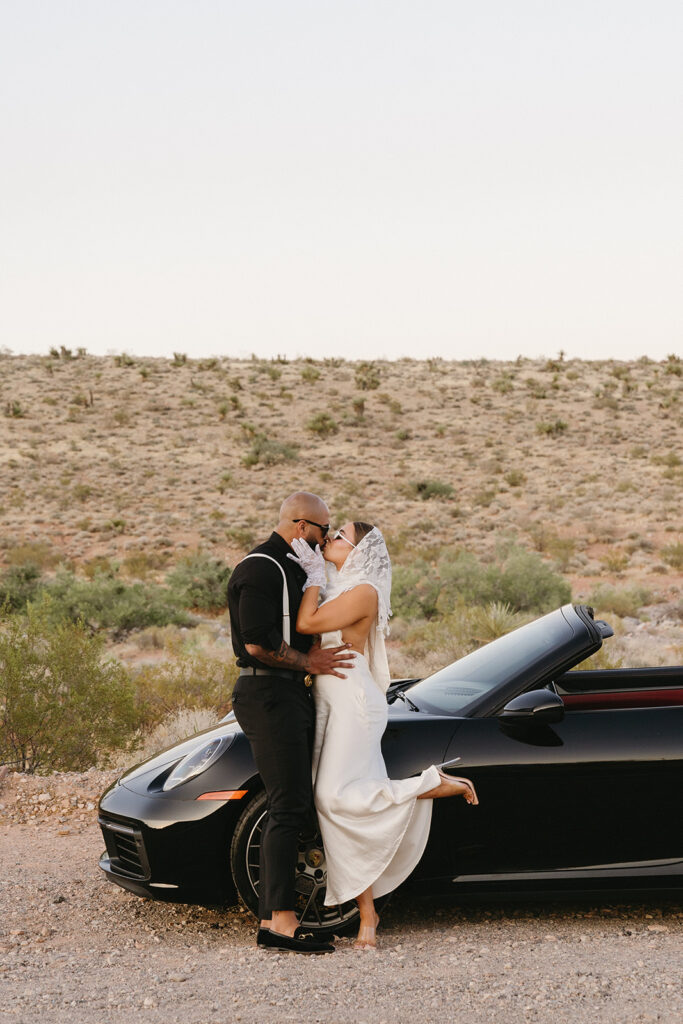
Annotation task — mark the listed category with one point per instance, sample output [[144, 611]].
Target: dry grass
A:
[[141, 461]]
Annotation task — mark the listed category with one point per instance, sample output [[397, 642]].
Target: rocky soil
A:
[[73, 947]]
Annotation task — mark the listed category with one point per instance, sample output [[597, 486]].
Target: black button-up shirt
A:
[[255, 602]]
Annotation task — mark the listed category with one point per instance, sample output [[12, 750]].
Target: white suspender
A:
[[285, 593]]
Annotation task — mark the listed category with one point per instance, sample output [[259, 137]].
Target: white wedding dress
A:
[[374, 828]]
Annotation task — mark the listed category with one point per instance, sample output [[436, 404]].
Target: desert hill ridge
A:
[[118, 457]]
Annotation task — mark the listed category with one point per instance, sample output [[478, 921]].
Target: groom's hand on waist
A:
[[318, 661], [328, 660]]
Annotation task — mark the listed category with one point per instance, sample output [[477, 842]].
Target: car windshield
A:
[[452, 689]]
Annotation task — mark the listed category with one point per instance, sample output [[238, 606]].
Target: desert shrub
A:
[[124, 360], [37, 553], [622, 601], [546, 539], [61, 702], [200, 581], [179, 359], [528, 584], [488, 622], [605, 658], [106, 602], [520, 579], [674, 365], [367, 376], [191, 679], [19, 585], [243, 536], [426, 489], [515, 478], [322, 424], [269, 453], [141, 564], [503, 383], [393, 403], [310, 374], [431, 644], [224, 482], [464, 578], [673, 555], [415, 590], [615, 561], [552, 429]]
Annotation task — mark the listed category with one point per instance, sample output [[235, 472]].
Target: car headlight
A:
[[198, 760]]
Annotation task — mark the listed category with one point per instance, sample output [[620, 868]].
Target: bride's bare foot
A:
[[451, 786], [367, 935]]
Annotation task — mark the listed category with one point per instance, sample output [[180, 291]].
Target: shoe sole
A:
[[296, 952]]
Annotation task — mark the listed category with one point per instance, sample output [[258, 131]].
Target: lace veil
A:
[[368, 562]]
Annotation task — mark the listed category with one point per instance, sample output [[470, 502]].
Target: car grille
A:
[[126, 848]]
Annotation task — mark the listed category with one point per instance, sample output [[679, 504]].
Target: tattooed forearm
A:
[[284, 657]]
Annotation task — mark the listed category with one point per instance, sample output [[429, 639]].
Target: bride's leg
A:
[[450, 786], [369, 919]]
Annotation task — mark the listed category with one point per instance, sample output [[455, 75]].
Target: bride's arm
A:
[[343, 611]]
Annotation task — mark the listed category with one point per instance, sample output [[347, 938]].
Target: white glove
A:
[[312, 562]]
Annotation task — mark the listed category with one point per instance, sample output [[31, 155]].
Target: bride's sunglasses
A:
[[340, 535]]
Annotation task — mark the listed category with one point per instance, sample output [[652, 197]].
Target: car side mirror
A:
[[542, 706]]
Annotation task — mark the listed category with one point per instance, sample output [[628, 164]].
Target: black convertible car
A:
[[579, 777]]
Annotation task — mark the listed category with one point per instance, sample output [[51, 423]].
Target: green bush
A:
[[18, 585], [106, 602], [322, 424], [426, 489], [673, 555], [465, 578], [415, 590], [36, 553], [191, 679], [553, 429], [521, 579], [622, 601], [367, 376], [269, 453], [528, 584], [200, 581], [61, 703]]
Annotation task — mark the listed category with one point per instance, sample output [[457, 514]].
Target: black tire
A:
[[311, 874]]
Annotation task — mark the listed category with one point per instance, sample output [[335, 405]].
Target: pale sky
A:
[[367, 178]]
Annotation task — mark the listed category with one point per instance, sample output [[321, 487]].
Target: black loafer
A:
[[300, 942], [259, 936]]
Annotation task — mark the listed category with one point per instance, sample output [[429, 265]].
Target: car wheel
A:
[[311, 874]]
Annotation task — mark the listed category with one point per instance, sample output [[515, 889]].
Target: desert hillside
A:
[[134, 462]]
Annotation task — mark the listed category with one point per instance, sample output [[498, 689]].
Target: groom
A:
[[273, 705]]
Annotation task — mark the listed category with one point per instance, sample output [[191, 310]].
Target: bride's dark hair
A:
[[361, 530]]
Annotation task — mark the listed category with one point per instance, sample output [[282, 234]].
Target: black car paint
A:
[[561, 806]]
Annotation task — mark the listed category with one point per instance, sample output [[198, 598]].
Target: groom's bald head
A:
[[304, 505], [295, 510]]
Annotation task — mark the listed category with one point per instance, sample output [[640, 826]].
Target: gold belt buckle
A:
[[308, 679]]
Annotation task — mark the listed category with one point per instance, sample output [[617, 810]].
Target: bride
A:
[[374, 828]]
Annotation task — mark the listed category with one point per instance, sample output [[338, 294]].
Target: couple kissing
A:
[[309, 610]]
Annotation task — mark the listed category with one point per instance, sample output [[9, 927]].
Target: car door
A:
[[598, 789]]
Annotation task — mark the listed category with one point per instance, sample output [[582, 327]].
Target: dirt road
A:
[[76, 948]]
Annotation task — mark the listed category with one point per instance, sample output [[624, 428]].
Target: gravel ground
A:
[[73, 947]]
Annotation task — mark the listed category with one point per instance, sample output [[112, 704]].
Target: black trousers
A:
[[278, 718]]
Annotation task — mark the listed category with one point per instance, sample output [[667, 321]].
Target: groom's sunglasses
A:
[[311, 523]]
